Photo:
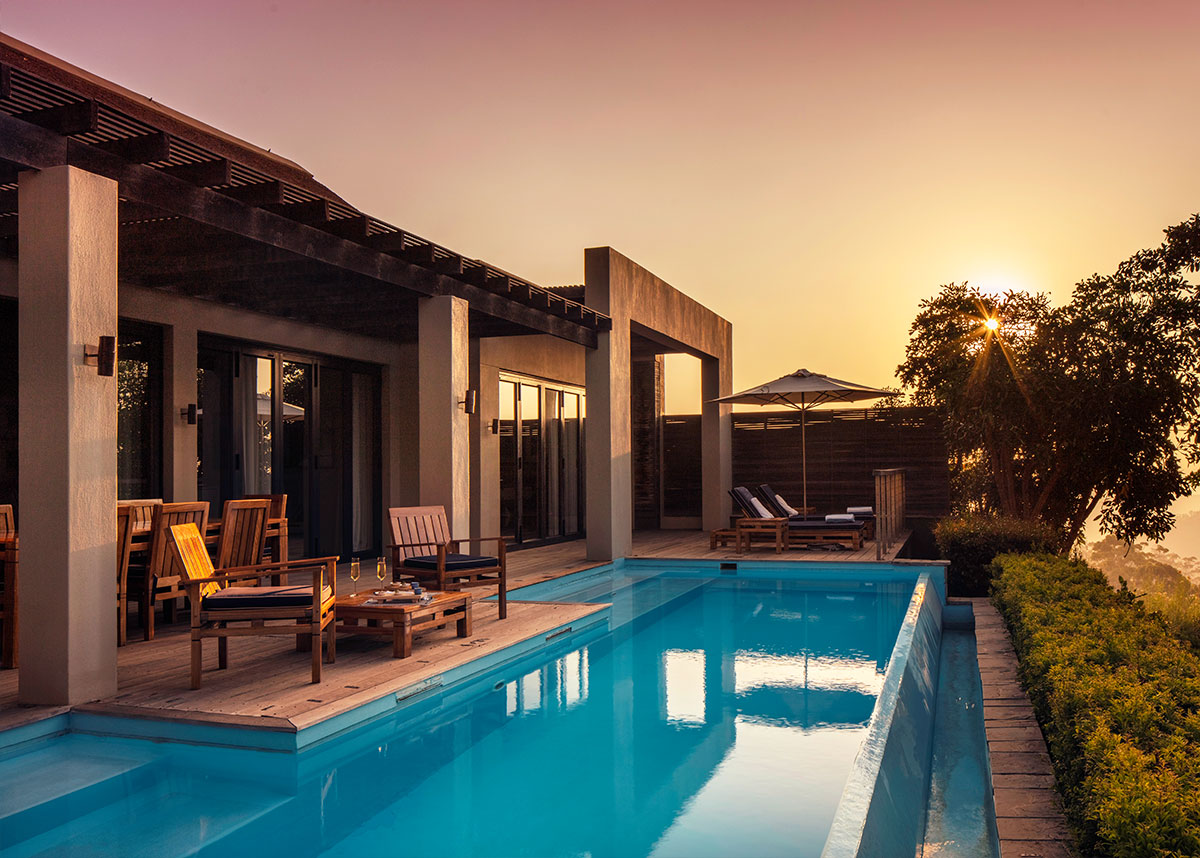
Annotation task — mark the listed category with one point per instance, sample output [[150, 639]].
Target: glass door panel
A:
[[364, 459], [553, 459], [258, 385], [507, 429], [294, 408], [530, 461], [571, 445], [218, 476]]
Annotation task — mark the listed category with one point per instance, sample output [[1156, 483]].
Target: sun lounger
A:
[[800, 531]]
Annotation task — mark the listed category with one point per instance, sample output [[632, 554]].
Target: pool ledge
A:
[[882, 810]]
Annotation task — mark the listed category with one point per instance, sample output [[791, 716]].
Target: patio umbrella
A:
[[803, 390]]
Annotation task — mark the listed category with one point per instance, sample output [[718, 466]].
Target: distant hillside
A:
[[1184, 538], [1147, 568]]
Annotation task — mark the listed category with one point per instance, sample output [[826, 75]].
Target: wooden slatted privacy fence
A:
[[845, 448]]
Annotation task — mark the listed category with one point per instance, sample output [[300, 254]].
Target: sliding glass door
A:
[[300, 425], [541, 468]]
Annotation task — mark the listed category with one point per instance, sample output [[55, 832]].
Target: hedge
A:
[[1118, 699], [971, 542]]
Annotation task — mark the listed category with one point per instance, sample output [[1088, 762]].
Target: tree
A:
[[1055, 413]]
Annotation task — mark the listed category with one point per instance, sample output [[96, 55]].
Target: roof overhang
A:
[[256, 229]]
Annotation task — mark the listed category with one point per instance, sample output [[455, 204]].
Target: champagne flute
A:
[[354, 573], [381, 571]]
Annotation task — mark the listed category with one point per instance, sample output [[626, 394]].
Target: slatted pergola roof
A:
[[210, 216]]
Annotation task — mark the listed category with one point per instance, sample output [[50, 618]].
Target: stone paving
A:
[[1029, 812]]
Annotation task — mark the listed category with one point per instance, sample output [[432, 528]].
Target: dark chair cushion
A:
[[282, 596], [815, 524], [454, 562]]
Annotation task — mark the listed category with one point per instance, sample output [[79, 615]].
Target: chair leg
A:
[[222, 653], [148, 624], [503, 599], [316, 655], [122, 618], [330, 643], [195, 662]]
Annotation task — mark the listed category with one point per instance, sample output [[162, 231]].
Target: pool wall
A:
[[882, 811]]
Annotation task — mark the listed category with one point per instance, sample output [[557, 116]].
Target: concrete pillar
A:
[[67, 432], [607, 442], [444, 428], [179, 391], [716, 434]]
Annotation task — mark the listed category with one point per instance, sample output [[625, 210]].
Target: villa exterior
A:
[[272, 338]]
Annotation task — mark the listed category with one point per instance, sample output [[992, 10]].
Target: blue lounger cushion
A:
[[818, 524], [454, 562], [282, 596]]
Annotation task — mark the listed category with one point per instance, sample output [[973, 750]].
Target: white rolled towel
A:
[[860, 510], [840, 518]]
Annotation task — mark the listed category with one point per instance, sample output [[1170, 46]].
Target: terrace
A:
[[265, 686]]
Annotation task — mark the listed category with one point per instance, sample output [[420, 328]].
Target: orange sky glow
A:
[[809, 170]]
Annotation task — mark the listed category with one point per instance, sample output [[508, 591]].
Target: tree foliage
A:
[[1061, 412]]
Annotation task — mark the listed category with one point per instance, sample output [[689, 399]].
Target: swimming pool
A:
[[720, 714]]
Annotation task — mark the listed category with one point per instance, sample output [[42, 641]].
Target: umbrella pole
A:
[[804, 459]]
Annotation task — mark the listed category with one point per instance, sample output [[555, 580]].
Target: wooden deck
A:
[[266, 684]]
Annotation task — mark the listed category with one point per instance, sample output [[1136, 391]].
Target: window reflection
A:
[[558, 686], [683, 672]]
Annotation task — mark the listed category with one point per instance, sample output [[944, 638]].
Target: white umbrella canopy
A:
[[803, 390]]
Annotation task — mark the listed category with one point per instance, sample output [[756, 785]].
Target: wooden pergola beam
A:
[[143, 149], [79, 117], [205, 174], [38, 148], [257, 194]]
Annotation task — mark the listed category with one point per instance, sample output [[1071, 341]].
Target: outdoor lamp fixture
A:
[[190, 413], [105, 356], [470, 403]]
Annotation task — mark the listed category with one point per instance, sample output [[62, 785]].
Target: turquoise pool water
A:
[[721, 717]]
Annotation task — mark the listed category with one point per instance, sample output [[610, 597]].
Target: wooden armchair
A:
[[422, 547], [8, 587], [277, 525], [221, 610], [162, 574], [243, 533]]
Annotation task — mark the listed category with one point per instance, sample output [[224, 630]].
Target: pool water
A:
[[720, 717]]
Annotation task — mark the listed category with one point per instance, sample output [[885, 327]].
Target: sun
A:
[[991, 323]]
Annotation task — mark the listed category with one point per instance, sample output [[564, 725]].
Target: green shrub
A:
[[971, 542], [1118, 698]]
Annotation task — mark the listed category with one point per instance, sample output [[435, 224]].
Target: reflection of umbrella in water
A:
[[803, 390], [290, 412]]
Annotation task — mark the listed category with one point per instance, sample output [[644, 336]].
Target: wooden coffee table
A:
[[398, 620]]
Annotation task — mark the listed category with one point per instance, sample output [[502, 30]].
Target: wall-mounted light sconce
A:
[[104, 355], [190, 413], [495, 425], [470, 403]]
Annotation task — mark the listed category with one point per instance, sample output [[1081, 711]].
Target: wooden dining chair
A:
[[8, 587], [162, 574], [220, 609], [243, 532], [422, 547], [277, 526], [126, 517]]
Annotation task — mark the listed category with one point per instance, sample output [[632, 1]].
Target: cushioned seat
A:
[[282, 596], [454, 562]]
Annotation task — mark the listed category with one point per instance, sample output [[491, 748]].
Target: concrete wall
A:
[[641, 303]]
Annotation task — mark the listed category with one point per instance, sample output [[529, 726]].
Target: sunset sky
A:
[[810, 171]]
